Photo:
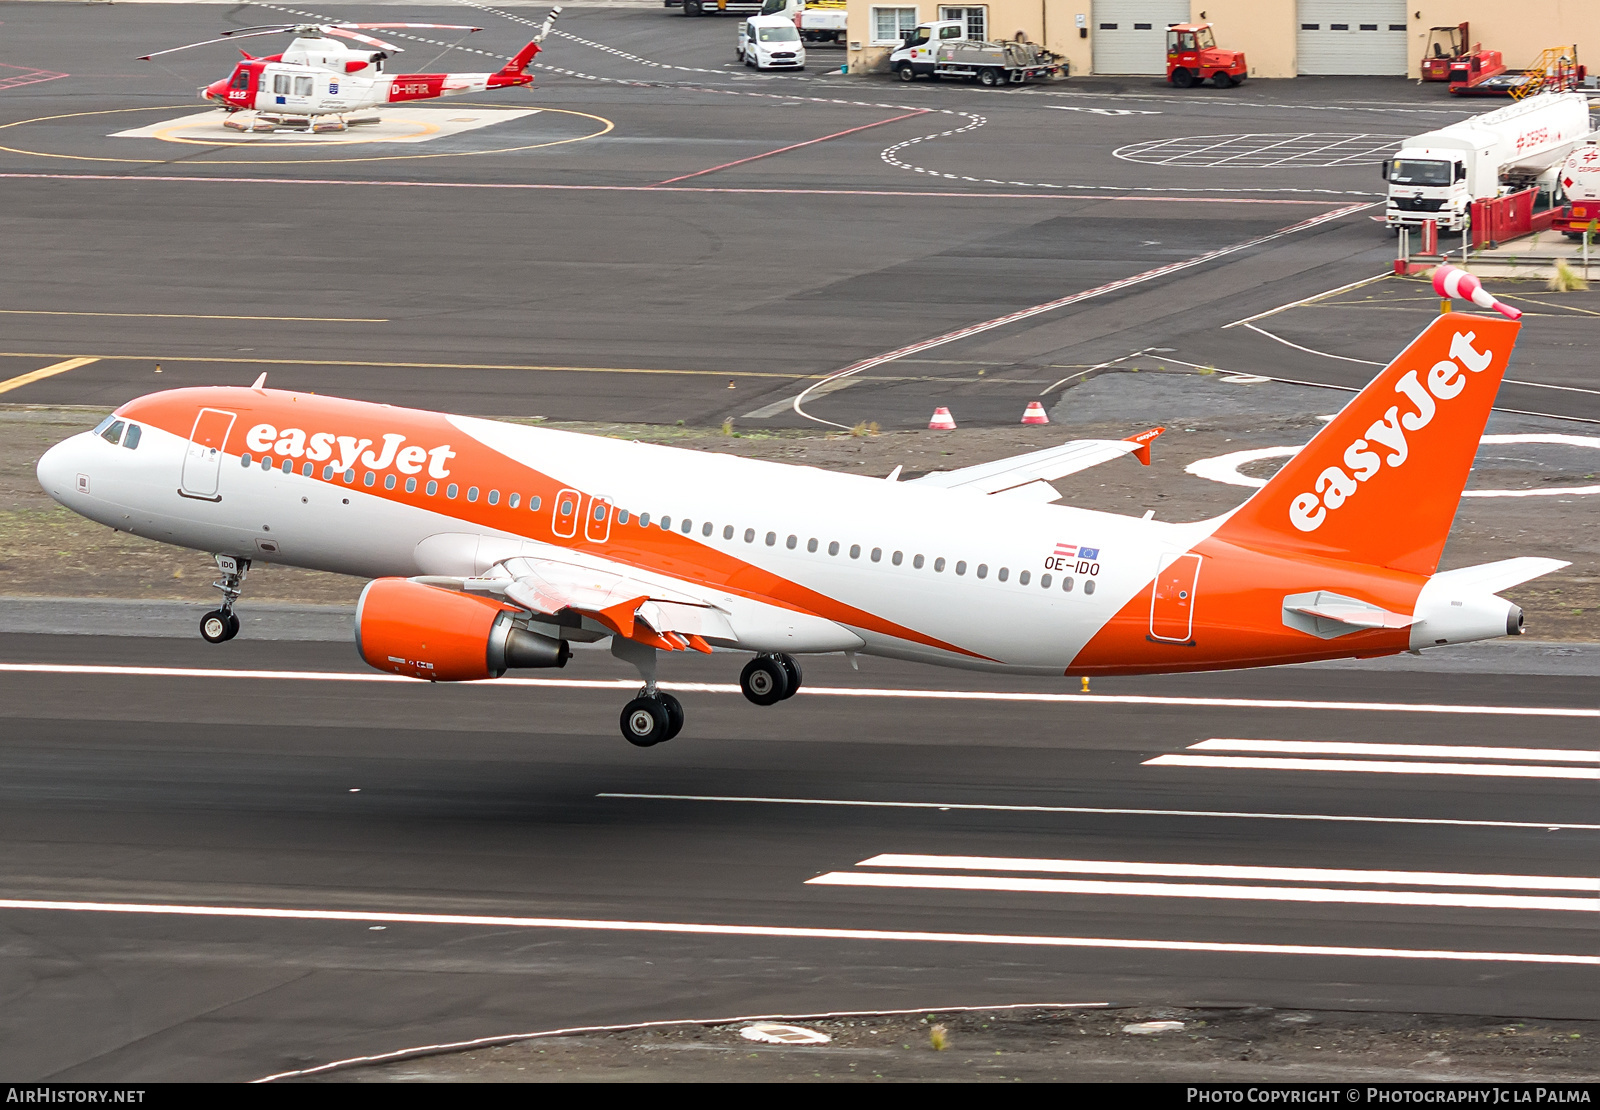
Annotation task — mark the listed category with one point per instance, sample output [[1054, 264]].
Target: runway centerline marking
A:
[[1106, 811], [795, 146], [44, 372], [1233, 871], [109, 670], [1428, 751], [1374, 766], [1210, 891], [793, 932]]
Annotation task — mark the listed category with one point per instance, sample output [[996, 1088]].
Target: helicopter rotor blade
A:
[[368, 39], [207, 42], [261, 28], [434, 26]]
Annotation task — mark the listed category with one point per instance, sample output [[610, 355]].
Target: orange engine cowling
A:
[[419, 631]]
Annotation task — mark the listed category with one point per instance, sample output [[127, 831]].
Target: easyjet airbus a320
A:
[[492, 546]]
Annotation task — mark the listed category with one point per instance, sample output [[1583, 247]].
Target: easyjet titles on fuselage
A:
[[319, 447]]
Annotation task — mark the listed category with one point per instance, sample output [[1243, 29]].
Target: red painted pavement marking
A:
[[795, 146], [25, 76]]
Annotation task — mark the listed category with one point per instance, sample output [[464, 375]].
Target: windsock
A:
[[1452, 281]]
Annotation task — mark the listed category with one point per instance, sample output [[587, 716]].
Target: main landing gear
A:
[[222, 625], [655, 716], [769, 679]]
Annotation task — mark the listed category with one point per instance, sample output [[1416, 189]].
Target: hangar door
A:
[[1130, 36], [1365, 37]]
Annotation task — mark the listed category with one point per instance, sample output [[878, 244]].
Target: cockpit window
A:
[[99, 429], [113, 434], [131, 439], [241, 80]]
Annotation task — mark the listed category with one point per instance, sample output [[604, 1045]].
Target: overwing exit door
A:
[[202, 462], [1172, 599]]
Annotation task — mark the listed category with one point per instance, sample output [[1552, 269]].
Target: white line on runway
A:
[[1431, 751], [1108, 811], [795, 932], [1232, 871], [820, 691], [1210, 891], [1374, 766]]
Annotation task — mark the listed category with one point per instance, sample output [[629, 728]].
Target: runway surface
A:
[[506, 862]]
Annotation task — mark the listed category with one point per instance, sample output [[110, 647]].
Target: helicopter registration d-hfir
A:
[[320, 84]]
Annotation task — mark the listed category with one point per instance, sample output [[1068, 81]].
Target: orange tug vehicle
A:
[[1193, 56]]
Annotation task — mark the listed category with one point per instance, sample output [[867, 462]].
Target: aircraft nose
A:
[[58, 469]]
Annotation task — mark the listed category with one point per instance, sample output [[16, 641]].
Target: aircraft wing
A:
[[1028, 476], [663, 618]]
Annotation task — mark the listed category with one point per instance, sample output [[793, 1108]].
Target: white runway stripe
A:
[[818, 691], [1230, 871], [1374, 766], [797, 932], [1208, 890], [1430, 751], [1114, 811]]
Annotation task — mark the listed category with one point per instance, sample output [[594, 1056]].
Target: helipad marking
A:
[[605, 127], [1225, 468], [403, 125]]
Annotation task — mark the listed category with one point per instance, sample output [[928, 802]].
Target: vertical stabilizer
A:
[[1381, 483]]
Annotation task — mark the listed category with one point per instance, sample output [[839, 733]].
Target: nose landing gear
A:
[[222, 625]]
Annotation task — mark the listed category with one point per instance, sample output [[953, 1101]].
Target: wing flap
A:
[[663, 618]]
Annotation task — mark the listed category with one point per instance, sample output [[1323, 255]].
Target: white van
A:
[[771, 42]]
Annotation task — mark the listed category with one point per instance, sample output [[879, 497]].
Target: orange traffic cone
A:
[[942, 421], [1034, 414]]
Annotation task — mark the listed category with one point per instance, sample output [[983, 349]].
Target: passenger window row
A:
[[685, 525], [792, 542]]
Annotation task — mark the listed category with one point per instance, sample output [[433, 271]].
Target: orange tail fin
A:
[[1381, 483]]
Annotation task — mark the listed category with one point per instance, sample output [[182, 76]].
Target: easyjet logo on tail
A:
[[1336, 484], [293, 443]]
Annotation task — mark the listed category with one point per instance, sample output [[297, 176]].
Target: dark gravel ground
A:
[[1214, 1045]]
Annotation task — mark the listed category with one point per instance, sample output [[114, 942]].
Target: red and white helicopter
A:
[[320, 84]]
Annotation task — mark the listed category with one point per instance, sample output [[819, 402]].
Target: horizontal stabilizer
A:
[[1005, 475], [1327, 615], [1494, 577]]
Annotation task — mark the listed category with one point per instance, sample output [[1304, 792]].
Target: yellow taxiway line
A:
[[44, 372]]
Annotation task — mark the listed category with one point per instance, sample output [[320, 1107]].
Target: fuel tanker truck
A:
[[1438, 175]]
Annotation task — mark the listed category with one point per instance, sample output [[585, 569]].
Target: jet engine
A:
[[419, 631]]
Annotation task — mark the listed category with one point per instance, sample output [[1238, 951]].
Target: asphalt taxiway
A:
[[664, 223]]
